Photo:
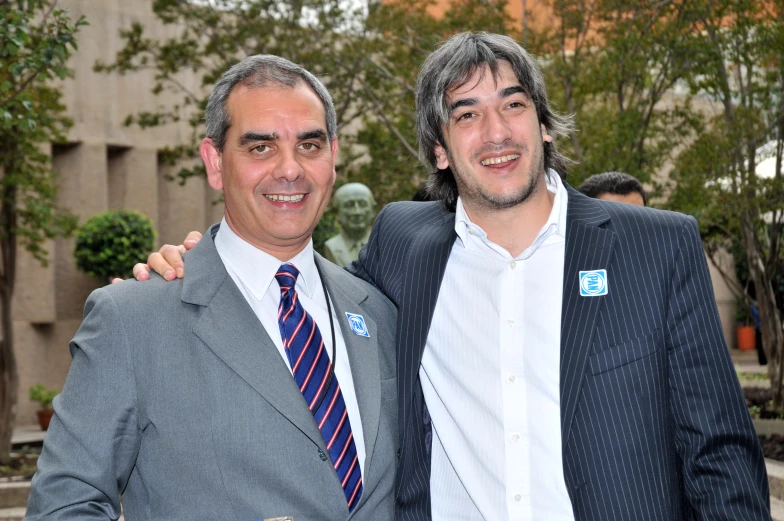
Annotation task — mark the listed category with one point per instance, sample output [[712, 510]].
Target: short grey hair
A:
[[259, 71], [451, 66]]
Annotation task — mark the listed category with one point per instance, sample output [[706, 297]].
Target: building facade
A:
[[104, 165]]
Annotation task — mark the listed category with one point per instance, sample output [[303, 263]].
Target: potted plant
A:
[[110, 243], [44, 396], [745, 331]]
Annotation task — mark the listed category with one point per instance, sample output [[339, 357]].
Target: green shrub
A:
[[42, 395], [109, 244]]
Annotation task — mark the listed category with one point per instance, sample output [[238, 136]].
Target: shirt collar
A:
[[256, 269], [556, 221]]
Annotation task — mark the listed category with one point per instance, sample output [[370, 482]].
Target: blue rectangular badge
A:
[[593, 283]]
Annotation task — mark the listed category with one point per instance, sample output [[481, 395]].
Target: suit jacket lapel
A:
[[230, 328], [589, 246], [426, 266]]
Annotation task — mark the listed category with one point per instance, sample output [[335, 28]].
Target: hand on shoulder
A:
[[167, 261]]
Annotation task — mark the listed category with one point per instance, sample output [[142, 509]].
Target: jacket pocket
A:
[[626, 353]]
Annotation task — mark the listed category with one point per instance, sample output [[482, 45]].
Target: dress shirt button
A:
[[472, 230], [513, 264], [512, 378], [515, 437], [510, 322], [518, 497]]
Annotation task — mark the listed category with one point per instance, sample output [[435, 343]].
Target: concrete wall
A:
[[104, 165]]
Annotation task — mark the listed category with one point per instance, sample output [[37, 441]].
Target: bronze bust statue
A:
[[356, 210]]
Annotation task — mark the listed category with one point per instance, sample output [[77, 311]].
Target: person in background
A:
[[761, 358], [614, 186]]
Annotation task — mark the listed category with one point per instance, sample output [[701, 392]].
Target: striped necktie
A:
[[311, 366]]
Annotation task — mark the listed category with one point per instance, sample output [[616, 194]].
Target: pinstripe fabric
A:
[[654, 425], [384, 262]]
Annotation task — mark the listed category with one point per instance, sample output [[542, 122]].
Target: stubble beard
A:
[[485, 200]]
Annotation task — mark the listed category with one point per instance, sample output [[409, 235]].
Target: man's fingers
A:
[[191, 239], [168, 261], [140, 272]]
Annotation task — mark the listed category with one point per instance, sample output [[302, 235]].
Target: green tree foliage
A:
[[615, 66], [110, 243], [36, 38], [368, 60], [741, 70]]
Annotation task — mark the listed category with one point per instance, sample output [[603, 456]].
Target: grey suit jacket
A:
[[178, 399]]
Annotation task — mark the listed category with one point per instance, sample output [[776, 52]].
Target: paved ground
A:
[[747, 362]]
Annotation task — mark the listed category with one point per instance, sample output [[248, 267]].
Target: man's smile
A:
[[499, 160], [294, 198]]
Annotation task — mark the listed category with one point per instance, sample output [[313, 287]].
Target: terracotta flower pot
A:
[[746, 340], [44, 417]]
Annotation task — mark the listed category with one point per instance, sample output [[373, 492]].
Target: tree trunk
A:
[[9, 375], [770, 316], [9, 380]]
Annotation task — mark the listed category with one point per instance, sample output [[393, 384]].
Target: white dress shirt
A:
[[491, 377], [253, 271]]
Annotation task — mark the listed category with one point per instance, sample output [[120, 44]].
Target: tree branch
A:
[[379, 111]]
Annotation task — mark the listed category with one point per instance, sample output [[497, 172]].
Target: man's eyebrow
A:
[[469, 102], [253, 137], [319, 134], [465, 102], [509, 91]]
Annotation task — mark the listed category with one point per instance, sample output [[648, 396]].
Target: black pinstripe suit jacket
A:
[[653, 422]]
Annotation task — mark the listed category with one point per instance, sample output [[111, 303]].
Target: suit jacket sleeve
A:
[[723, 468], [92, 443], [366, 267]]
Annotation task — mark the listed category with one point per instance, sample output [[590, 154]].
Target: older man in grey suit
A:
[[262, 386]]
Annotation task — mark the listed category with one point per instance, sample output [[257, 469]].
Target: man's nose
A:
[[495, 128], [289, 166]]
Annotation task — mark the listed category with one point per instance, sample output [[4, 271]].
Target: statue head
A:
[[356, 208]]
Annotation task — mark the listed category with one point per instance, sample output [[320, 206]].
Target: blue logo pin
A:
[[357, 323], [593, 283]]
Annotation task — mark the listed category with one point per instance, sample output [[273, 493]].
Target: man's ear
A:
[[546, 138], [442, 160], [334, 149], [212, 162]]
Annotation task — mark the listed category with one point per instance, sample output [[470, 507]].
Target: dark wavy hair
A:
[[451, 66], [617, 183]]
